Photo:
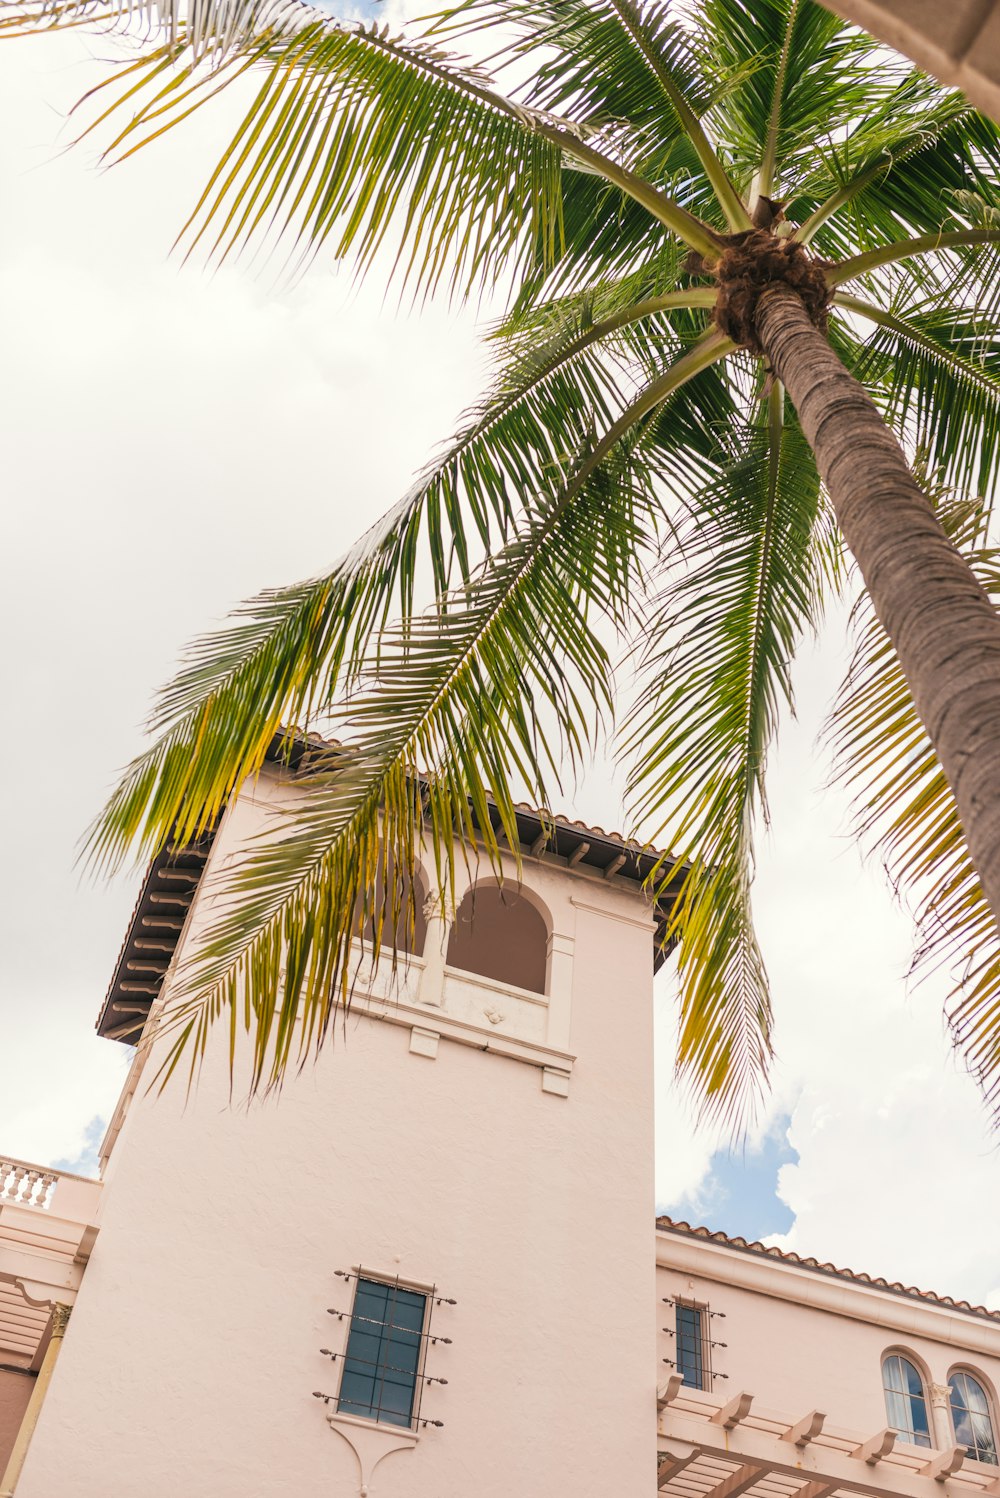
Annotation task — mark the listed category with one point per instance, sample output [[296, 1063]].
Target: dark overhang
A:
[[168, 889], [173, 878]]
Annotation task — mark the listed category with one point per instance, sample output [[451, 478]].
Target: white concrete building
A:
[[430, 1267]]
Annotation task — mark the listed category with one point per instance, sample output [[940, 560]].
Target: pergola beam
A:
[[832, 1468], [959, 44], [738, 1482]]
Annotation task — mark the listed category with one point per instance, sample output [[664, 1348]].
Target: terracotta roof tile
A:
[[770, 1251], [314, 740]]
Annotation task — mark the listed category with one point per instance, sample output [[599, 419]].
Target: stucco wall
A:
[[15, 1391], [800, 1341], [193, 1351]]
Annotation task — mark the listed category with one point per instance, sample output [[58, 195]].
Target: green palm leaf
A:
[[771, 111], [905, 813], [441, 718], [622, 474], [938, 375], [756, 556], [290, 653]]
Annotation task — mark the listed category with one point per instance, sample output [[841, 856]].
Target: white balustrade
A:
[[24, 1185]]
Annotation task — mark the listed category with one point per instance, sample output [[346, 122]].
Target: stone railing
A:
[[24, 1185]]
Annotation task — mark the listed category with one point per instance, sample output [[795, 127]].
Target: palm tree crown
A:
[[636, 483]]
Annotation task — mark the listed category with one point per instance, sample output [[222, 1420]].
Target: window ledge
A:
[[450, 1027], [493, 985], [380, 1427]]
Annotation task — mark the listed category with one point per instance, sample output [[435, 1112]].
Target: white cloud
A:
[[173, 441]]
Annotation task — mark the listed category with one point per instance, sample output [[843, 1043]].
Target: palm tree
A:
[[751, 255]]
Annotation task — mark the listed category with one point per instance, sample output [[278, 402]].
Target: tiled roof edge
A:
[[858, 1277]]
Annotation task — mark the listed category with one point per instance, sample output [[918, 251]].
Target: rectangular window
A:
[[691, 1345], [382, 1360]]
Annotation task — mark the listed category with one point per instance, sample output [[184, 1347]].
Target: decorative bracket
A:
[[944, 1464], [370, 1443], [806, 1429], [668, 1392], [876, 1447], [731, 1414]]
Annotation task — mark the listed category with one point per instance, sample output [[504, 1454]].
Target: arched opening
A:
[[972, 1416], [499, 934], [906, 1400], [388, 910]]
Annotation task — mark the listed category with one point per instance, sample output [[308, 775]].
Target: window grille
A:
[[382, 1361], [690, 1346], [383, 1377], [693, 1343]]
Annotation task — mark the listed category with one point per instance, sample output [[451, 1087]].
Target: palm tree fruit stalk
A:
[[750, 263], [942, 625]]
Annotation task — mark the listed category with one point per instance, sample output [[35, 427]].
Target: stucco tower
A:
[[442, 1228]]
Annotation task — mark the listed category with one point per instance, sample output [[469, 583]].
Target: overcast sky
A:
[[174, 441]]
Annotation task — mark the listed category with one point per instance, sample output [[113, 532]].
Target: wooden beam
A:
[[539, 844], [161, 923], [815, 1490], [578, 853], [669, 1391], [737, 1482], [835, 1468], [178, 899], [190, 876], [141, 945], [732, 1413], [876, 1447], [616, 863], [806, 1429]]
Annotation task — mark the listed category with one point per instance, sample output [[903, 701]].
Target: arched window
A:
[[388, 906], [499, 934], [971, 1417], [905, 1401]]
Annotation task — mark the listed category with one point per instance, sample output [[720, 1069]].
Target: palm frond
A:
[[901, 173], [935, 372], [904, 812], [354, 132], [715, 665], [288, 653], [613, 63], [767, 108], [444, 717]]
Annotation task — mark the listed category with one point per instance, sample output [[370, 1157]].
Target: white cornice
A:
[[826, 1291]]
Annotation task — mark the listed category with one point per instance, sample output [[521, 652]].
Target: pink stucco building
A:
[[430, 1267]]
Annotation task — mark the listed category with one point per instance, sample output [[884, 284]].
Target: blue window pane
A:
[[383, 1353], [690, 1346], [905, 1403], [970, 1414]]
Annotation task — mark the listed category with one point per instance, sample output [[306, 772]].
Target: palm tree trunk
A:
[[943, 627]]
